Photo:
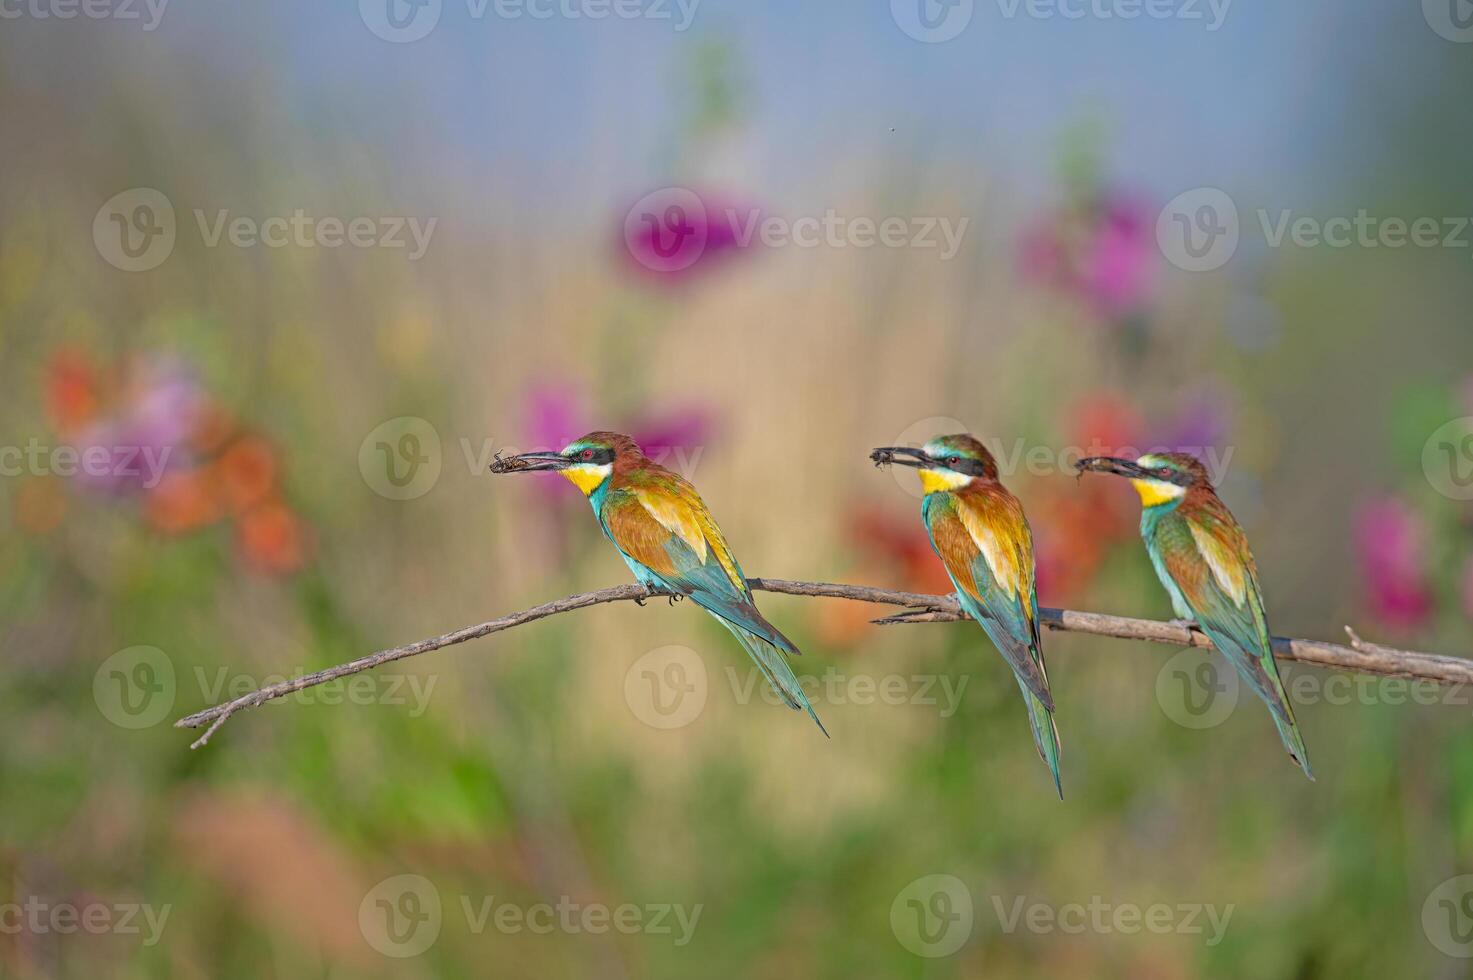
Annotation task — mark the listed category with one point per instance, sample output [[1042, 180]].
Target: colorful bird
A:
[[979, 532], [669, 540], [1201, 555]]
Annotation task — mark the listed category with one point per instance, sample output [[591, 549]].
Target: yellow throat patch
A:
[[1156, 492], [935, 481], [586, 476]]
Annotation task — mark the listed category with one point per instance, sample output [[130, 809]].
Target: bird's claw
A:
[[653, 593]]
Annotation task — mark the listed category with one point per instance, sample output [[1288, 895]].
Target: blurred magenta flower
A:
[[1102, 252], [675, 233], [146, 432], [1390, 544]]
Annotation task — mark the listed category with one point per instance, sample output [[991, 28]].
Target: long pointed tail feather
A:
[[774, 666], [1261, 674], [1045, 733]]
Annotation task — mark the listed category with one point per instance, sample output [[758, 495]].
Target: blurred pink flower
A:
[[148, 431], [1390, 541], [1102, 253], [674, 234]]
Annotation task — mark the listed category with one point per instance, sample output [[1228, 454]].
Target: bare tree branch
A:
[[1359, 656]]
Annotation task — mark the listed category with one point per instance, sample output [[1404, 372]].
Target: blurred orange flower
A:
[[71, 390], [183, 502], [247, 472], [270, 538]]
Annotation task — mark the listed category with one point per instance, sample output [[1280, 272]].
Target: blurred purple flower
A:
[[147, 435], [675, 233], [1390, 540], [1102, 253]]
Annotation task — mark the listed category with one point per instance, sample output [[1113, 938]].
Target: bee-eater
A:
[[1201, 555], [667, 537], [979, 532]]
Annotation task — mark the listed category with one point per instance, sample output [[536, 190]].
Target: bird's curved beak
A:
[[1114, 464], [889, 455], [530, 463]]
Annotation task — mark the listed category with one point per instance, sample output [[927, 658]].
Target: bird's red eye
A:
[[953, 460], [587, 454]]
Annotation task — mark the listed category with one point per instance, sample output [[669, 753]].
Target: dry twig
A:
[[1359, 657]]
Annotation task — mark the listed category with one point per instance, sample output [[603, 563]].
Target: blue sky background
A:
[[1262, 105]]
